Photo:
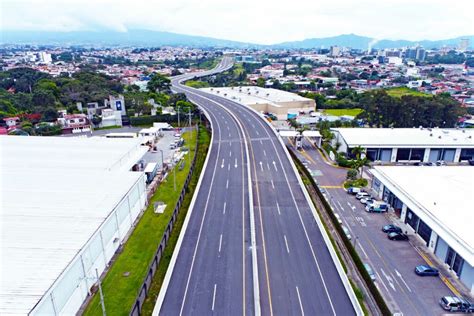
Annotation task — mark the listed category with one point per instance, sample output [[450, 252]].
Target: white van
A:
[[377, 207]]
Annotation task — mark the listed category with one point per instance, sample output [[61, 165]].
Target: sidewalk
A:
[[446, 275]]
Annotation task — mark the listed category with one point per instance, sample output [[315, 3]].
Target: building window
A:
[[417, 154], [448, 155], [403, 154], [424, 231], [457, 264], [466, 154], [411, 219], [454, 261], [372, 154]]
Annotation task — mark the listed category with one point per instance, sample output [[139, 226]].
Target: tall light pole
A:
[[162, 161], [177, 109], [174, 175]]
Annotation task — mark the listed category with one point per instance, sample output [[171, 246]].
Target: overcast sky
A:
[[256, 21]]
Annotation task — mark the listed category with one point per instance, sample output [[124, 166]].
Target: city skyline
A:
[[264, 22]]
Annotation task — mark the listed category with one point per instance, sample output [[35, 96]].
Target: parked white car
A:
[[361, 195]]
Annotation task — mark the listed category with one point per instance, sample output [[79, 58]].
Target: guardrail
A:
[[143, 292], [347, 243]]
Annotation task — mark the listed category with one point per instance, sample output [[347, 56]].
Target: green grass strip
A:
[[121, 291]]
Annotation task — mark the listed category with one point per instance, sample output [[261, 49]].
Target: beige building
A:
[[274, 101]]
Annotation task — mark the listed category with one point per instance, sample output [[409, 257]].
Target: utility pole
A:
[[177, 108], [189, 147], [174, 176], [162, 161]]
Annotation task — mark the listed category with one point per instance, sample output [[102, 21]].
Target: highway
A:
[[251, 242]]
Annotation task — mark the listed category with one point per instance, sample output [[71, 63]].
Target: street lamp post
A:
[[97, 279], [174, 176], [100, 292], [355, 242], [162, 161]]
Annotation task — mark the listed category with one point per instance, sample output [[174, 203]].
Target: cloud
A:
[[261, 21]]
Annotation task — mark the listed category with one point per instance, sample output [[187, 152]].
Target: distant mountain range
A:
[[147, 38]]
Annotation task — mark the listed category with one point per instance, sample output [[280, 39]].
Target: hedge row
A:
[[358, 262]]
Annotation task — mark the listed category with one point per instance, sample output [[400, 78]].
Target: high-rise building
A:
[[415, 53], [420, 54], [463, 44], [335, 51], [45, 57]]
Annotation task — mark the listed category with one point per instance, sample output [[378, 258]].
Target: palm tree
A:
[[357, 152]]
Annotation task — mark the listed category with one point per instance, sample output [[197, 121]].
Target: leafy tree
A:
[[261, 82], [158, 83], [352, 174], [50, 115], [133, 88], [174, 98], [7, 107], [47, 85], [43, 98]]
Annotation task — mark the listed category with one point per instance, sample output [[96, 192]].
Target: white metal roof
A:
[[54, 194], [288, 133], [407, 137], [440, 196], [311, 134], [69, 153], [255, 95]]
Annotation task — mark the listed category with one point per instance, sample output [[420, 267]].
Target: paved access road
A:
[[392, 261], [290, 270]]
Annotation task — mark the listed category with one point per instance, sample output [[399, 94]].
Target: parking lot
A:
[[163, 148], [392, 262]]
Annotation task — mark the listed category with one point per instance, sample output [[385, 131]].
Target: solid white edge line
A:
[[332, 252], [299, 299], [286, 244], [214, 296], [174, 257]]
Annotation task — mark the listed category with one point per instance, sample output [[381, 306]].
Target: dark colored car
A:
[[391, 229], [425, 270], [397, 236]]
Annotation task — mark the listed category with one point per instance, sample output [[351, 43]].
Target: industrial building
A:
[[274, 101], [67, 205], [435, 203], [390, 145]]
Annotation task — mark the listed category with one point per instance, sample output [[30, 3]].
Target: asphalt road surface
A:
[[250, 246]]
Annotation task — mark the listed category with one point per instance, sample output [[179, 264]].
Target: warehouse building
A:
[[390, 145], [435, 203], [67, 204], [273, 101]]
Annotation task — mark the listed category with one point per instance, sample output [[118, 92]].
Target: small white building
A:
[[435, 203], [392, 145], [273, 101]]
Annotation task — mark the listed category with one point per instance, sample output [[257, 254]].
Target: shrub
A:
[[352, 174], [358, 183]]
